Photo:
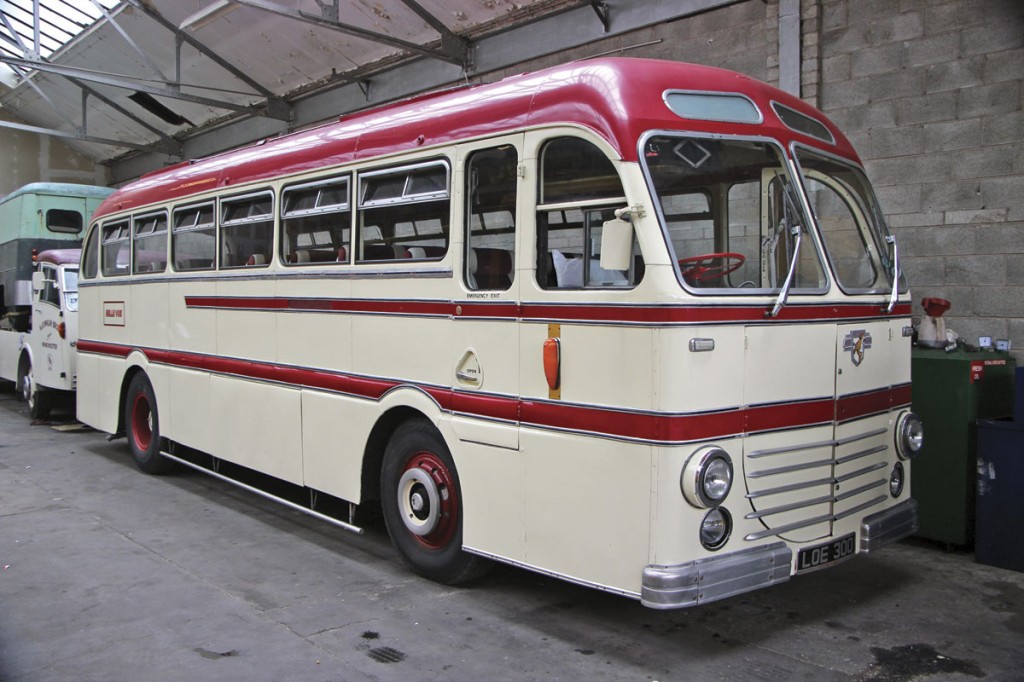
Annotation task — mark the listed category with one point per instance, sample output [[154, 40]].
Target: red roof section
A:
[[618, 98], [60, 256]]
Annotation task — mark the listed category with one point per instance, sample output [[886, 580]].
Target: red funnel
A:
[[935, 306]]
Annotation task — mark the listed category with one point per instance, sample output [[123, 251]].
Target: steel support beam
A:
[[273, 102], [130, 83], [158, 148], [372, 36]]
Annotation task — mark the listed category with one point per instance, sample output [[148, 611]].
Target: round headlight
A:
[[896, 480], [715, 528], [909, 435], [707, 477]]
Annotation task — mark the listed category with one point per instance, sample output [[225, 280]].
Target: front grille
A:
[[797, 491]]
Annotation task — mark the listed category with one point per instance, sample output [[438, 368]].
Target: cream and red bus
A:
[[636, 324]]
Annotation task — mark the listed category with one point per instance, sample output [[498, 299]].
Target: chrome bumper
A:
[[714, 578], [888, 526]]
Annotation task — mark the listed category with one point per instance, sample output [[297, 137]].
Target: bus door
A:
[[486, 370], [485, 362]]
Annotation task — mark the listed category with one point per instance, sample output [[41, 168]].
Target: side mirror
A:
[[616, 244], [37, 281]]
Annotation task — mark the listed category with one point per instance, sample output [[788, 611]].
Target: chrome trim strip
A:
[[888, 526], [262, 493], [862, 489], [789, 507], [792, 467], [715, 577], [553, 574], [754, 454], [859, 436], [860, 472], [790, 488], [819, 444], [863, 453], [792, 526], [860, 507]]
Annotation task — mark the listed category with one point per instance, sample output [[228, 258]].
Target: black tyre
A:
[[422, 505], [142, 424], [39, 400]]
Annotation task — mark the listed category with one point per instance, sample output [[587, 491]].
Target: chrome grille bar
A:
[[862, 453], [791, 467], [788, 527], [789, 507], [859, 472], [790, 488], [857, 491], [860, 507]]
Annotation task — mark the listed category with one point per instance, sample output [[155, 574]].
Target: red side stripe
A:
[[606, 421], [625, 314]]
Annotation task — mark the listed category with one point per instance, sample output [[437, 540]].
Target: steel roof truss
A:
[[128, 39], [275, 105], [451, 42], [157, 148], [142, 85], [326, 21]]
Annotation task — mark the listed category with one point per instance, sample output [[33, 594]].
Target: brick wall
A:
[[930, 92]]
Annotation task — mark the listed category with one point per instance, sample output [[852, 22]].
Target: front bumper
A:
[[888, 526], [716, 577]]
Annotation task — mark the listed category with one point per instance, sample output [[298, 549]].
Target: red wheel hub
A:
[[142, 422], [428, 500]]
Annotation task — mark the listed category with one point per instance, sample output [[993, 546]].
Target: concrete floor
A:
[[109, 574]]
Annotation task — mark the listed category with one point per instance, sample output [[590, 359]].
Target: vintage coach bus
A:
[[636, 324]]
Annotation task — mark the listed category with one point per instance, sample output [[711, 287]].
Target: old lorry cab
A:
[[41, 357]]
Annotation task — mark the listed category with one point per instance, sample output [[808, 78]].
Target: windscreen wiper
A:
[[796, 231]]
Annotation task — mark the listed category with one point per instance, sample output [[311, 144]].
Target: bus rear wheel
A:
[[142, 423], [38, 400], [422, 505]]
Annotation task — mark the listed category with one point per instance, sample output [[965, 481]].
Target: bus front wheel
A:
[[422, 505], [142, 423]]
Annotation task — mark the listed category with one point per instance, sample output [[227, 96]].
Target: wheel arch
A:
[[25, 359], [137, 363], [400, 405]]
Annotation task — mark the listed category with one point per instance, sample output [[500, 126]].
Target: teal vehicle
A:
[[35, 218]]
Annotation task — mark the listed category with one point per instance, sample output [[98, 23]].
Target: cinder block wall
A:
[[930, 92]]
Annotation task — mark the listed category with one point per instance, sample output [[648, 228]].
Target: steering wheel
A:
[[709, 267]]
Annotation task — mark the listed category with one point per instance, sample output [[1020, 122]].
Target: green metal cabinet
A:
[[951, 392]]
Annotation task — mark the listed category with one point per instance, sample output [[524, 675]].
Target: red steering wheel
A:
[[709, 267]]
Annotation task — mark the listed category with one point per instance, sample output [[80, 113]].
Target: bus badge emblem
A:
[[857, 342]]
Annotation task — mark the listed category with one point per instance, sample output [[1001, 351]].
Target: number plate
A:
[[811, 558]]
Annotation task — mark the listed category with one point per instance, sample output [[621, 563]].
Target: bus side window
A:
[[491, 183], [246, 231], [116, 248], [579, 190], [90, 255], [193, 242], [404, 213], [149, 247], [316, 223]]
